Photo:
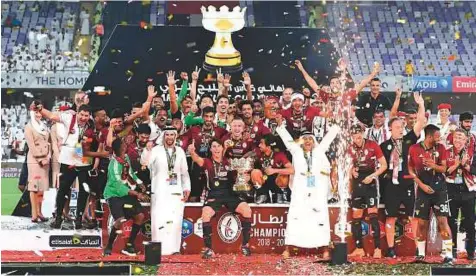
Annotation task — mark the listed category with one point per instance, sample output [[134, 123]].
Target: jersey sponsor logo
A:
[[229, 227]]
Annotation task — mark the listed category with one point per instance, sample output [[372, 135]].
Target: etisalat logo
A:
[[75, 241]]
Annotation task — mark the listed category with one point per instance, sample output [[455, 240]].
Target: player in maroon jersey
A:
[[427, 163], [220, 192], [366, 154]]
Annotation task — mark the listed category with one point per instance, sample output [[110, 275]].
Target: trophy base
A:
[[224, 69], [339, 253]]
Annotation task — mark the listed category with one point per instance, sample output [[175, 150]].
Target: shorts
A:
[[98, 184], [395, 195], [363, 195], [231, 201], [437, 201], [124, 207]]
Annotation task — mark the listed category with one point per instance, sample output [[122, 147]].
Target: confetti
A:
[[169, 222], [38, 252], [285, 13], [136, 61], [432, 22], [161, 227], [101, 264], [191, 44], [401, 21], [457, 35], [196, 51], [260, 50], [129, 73], [119, 232], [170, 17]]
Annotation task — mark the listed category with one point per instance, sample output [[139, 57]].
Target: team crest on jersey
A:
[[389, 147], [244, 144]]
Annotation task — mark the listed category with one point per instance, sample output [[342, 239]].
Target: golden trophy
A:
[[223, 22]]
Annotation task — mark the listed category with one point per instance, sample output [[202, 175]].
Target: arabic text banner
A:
[[133, 58]]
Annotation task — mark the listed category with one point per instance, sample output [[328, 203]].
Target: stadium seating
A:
[[42, 17], [430, 34]]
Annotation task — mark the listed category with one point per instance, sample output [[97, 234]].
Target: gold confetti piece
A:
[[101, 264], [136, 61], [80, 42], [169, 222], [170, 17], [432, 22], [161, 227], [129, 73], [457, 35], [177, 194], [401, 21], [292, 67]]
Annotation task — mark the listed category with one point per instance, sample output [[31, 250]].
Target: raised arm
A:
[[329, 137], [151, 93], [367, 80], [310, 81], [286, 137], [222, 88], [420, 123], [173, 96], [247, 84], [45, 112], [396, 103], [184, 88], [195, 157], [193, 85]]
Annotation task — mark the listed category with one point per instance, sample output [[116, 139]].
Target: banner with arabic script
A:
[[133, 58]]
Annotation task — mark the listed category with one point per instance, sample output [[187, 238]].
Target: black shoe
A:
[[245, 250], [261, 199], [56, 223], [107, 251], [78, 224], [129, 250], [391, 253], [470, 256], [207, 253], [448, 260], [91, 224]]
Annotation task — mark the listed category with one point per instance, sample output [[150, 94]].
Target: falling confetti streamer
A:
[[401, 21]]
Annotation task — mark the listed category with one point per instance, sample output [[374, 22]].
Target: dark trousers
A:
[[67, 177], [461, 199]]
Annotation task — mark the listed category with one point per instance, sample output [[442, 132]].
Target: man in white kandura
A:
[[170, 190], [308, 223]]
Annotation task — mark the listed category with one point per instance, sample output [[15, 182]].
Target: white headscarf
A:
[[39, 127]]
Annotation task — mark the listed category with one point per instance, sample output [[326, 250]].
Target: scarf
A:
[[40, 126], [395, 157]]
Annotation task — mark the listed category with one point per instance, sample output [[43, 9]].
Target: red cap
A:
[[401, 114], [444, 106]]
